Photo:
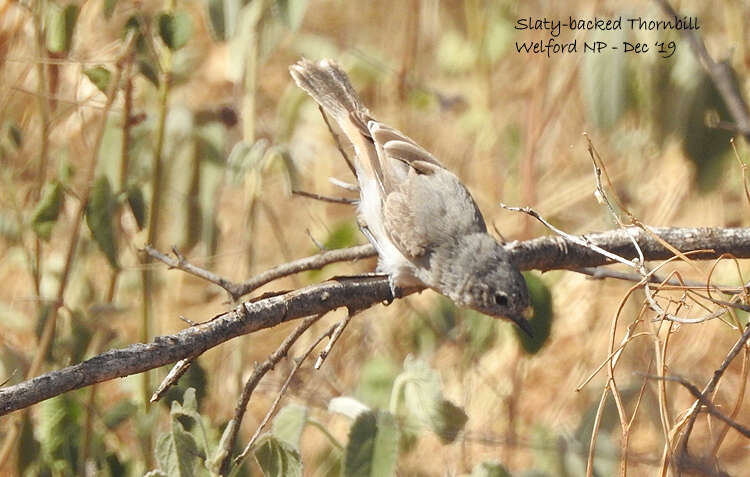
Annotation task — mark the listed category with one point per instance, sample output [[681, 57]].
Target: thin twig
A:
[[637, 264], [237, 290], [314, 262], [325, 198], [297, 364], [252, 383], [711, 386], [171, 378], [598, 273], [181, 263], [701, 397], [743, 167], [344, 185], [740, 395], [338, 329], [337, 141], [582, 240]]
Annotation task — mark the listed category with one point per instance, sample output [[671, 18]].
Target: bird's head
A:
[[490, 282]]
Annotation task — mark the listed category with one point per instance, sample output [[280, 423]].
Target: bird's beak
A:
[[522, 321]]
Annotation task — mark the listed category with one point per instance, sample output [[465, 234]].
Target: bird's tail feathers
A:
[[328, 85]]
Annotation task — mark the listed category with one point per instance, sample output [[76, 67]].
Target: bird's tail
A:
[[329, 87]]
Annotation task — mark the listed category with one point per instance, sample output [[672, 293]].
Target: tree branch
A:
[[237, 290], [552, 252], [354, 293]]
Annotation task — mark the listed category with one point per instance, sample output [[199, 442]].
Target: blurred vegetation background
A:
[[176, 123]]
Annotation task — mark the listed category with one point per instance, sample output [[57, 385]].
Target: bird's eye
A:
[[501, 300]]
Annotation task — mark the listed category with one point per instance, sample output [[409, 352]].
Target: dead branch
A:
[[711, 387], [555, 253], [710, 406], [252, 382], [355, 293], [325, 198], [237, 290]]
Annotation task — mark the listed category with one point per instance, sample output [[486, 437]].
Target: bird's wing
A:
[[425, 204], [429, 209], [394, 165]]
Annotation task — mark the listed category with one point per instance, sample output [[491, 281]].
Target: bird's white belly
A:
[[390, 258]]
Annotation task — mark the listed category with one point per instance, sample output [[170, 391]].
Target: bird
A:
[[421, 219]]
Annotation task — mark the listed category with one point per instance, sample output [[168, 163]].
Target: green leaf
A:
[[177, 452], [245, 157], [277, 458], [188, 406], [148, 69], [376, 381], [217, 19], [455, 54], [15, 135], [10, 229], [498, 39], [59, 432], [175, 29], [705, 143], [424, 400], [137, 205], [100, 76], [288, 112], [490, 468], [213, 462], [372, 449], [99, 213], [604, 82], [108, 8], [47, 210], [28, 446], [119, 413], [480, 331], [292, 12], [541, 321], [448, 421], [344, 234], [289, 423], [60, 27]]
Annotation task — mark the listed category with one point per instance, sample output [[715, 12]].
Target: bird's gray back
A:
[[429, 210]]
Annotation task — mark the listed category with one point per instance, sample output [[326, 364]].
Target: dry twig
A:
[[237, 290], [702, 399], [297, 363], [252, 382]]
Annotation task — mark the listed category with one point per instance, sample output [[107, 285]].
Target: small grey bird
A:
[[420, 218]]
